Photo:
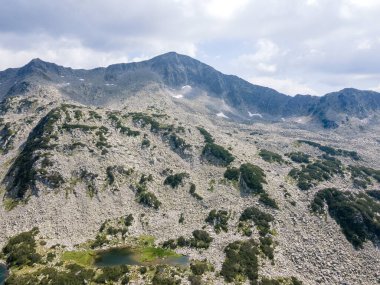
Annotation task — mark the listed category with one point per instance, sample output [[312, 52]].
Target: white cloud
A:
[[312, 43], [224, 9], [286, 86], [270, 68], [364, 45]]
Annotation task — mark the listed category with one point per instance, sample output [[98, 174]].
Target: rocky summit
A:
[[167, 171]]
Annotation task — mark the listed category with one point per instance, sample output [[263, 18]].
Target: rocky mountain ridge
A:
[[173, 72]]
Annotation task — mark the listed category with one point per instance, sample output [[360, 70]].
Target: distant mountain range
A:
[[99, 86]]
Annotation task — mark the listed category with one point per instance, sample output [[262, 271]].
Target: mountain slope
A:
[[204, 186], [172, 72]]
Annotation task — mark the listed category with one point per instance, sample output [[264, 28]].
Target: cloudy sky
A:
[[294, 46]]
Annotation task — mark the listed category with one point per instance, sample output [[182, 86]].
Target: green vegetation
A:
[[318, 171], [199, 267], [207, 136], [178, 144], [112, 274], [119, 126], [232, 173], [72, 274], [332, 151], [20, 250], [267, 201], [94, 115], [299, 157], [217, 154], [193, 193], [356, 214], [102, 143], [164, 276], [76, 145], [260, 219], [374, 194], [252, 178], [270, 156], [84, 258], [84, 128], [219, 220], [361, 175], [78, 114], [22, 176], [113, 171], [143, 120], [145, 197], [6, 138], [241, 261], [175, 180], [145, 143], [200, 239], [280, 281]]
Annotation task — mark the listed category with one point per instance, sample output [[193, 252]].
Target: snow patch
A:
[[81, 79], [283, 119], [178, 96], [221, 114], [186, 88], [109, 84], [255, 114]]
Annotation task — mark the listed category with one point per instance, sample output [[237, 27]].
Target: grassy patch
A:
[[84, 258], [149, 254]]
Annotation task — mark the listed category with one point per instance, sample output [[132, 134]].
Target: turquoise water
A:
[[3, 273], [124, 256]]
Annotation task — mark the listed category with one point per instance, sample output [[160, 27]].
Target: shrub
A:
[[299, 157], [270, 156], [356, 214], [148, 199], [361, 175], [232, 173], [193, 193], [267, 247], [241, 260], [219, 220], [321, 170], [145, 143], [22, 175], [21, 249], [195, 280], [128, 220], [252, 178], [217, 154], [200, 267], [84, 128], [332, 151], [175, 180], [113, 273], [178, 144], [267, 201], [374, 194], [260, 219], [201, 239], [207, 136]]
